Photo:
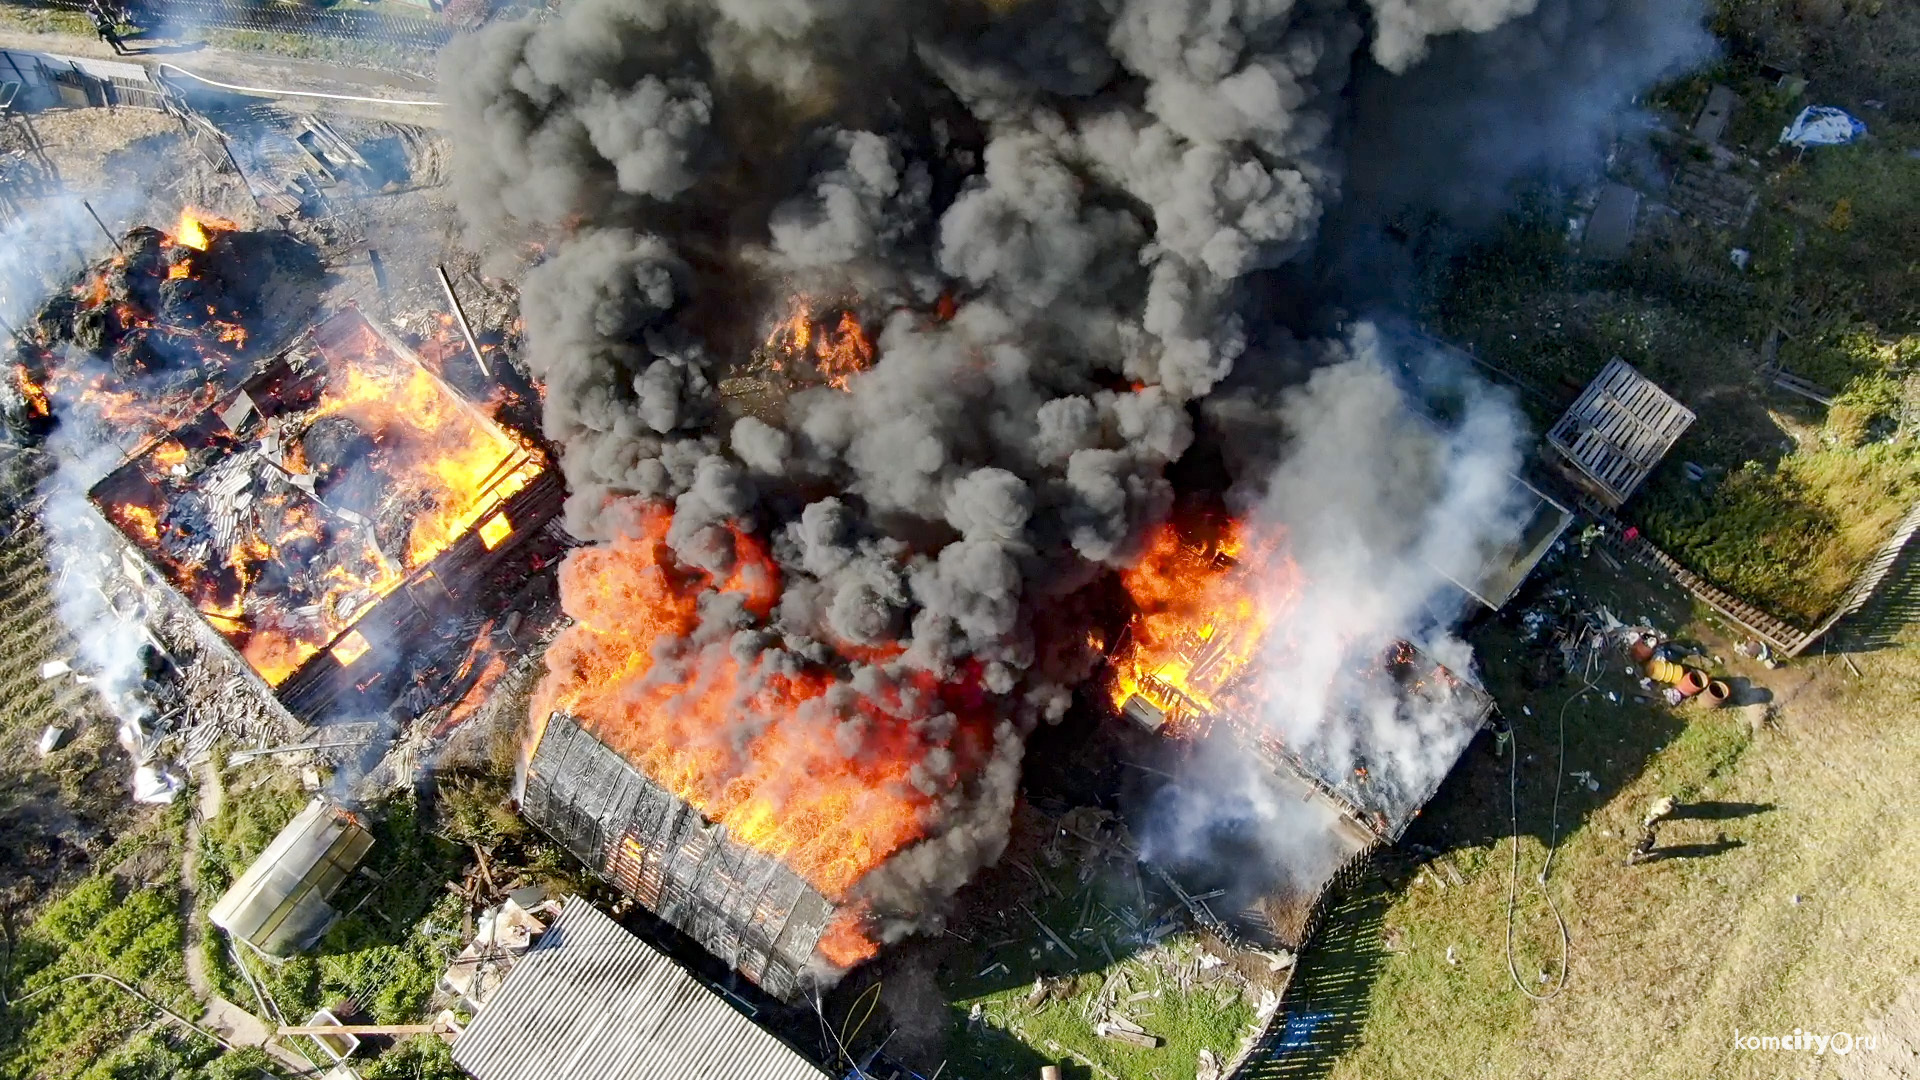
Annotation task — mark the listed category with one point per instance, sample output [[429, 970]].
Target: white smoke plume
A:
[[40, 251], [1374, 499]]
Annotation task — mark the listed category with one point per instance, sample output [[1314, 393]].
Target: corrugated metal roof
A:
[[590, 1001], [746, 908]]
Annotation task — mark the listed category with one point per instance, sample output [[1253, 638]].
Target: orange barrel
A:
[[1691, 683], [1718, 693], [1640, 651]]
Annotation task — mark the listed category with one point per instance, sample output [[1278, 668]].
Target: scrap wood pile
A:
[[1125, 938], [175, 691]]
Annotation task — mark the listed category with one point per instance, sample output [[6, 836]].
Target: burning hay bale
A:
[[166, 325]]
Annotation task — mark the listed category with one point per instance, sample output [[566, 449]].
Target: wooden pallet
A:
[[1618, 430]]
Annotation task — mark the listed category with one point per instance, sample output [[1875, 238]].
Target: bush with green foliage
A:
[[99, 927], [423, 1057]]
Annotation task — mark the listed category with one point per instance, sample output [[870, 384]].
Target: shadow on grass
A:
[[1894, 607], [1717, 810], [1693, 851], [1325, 1008]]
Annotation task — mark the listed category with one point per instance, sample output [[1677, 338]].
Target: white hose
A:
[[297, 93]]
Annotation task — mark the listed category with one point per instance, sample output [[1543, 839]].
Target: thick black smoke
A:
[[1047, 211]]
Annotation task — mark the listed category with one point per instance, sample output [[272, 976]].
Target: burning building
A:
[[1208, 612], [324, 513], [314, 494], [747, 908], [845, 555]]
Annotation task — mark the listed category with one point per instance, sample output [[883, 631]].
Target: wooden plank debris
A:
[[1051, 936], [460, 316], [1108, 1029]]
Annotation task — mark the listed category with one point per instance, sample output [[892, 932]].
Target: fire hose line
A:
[[168, 1013], [1553, 842], [839, 1035], [297, 93]]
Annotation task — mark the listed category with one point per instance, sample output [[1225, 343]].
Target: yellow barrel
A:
[[1665, 671]]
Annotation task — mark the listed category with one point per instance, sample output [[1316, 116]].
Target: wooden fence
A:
[[1781, 636], [276, 18]]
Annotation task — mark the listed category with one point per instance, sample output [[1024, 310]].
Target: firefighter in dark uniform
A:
[[103, 25]]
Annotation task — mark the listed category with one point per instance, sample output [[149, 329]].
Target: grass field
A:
[[1790, 902], [1796, 497], [58, 811]]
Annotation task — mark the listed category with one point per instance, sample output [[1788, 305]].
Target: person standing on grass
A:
[[1661, 809], [103, 25]]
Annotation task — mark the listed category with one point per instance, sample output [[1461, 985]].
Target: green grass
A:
[[382, 957], [1790, 537], [1216, 1012], [350, 53], [1670, 956], [1858, 261], [39, 20], [423, 1057], [107, 925], [1799, 498], [1215, 1019]]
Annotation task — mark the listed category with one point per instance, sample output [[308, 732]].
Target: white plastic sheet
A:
[[1822, 125]]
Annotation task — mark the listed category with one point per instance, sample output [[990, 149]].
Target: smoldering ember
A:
[[762, 538]]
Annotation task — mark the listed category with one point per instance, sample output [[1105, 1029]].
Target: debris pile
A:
[[162, 328]]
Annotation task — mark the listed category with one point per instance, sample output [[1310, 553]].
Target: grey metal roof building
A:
[[590, 1001], [279, 905], [1492, 573], [1617, 431], [744, 907]]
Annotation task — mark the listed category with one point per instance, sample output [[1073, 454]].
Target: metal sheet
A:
[[590, 1001]]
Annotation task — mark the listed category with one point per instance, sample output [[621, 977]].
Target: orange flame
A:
[[753, 745], [835, 353], [192, 228], [494, 530], [464, 464], [846, 944], [1202, 614], [94, 292], [476, 697], [32, 391], [138, 520], [439, 455]]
